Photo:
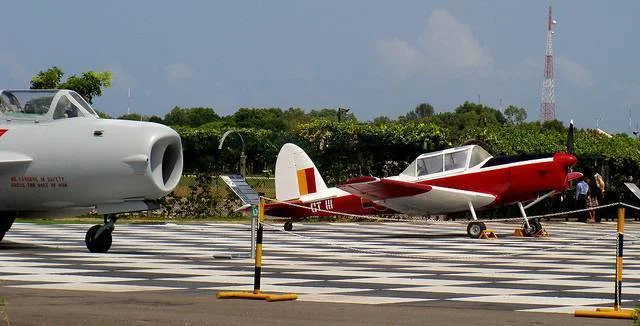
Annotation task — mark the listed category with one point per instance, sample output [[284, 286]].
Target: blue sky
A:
[[375, 57]]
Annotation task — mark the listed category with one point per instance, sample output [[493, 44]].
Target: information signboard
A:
[[241, 188]]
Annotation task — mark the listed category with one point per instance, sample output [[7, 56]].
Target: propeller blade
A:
[[570, 138]]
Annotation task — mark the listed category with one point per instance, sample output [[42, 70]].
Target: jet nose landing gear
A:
[[98, 237]]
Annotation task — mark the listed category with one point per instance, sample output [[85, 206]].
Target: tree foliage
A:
[[421, 112], [89, 84], [192, 117], [133, 117], [515, 115]]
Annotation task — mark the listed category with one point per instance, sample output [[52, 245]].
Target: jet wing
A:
[[9, 158], [415, 198]]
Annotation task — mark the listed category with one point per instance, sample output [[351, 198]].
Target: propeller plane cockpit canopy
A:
[[57, 158]]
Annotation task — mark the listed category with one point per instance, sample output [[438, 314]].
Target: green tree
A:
[[294, 117], [199, 116], [409, 116], [482, 114], [381, 120], [156, 119], [49, 79], [424, 110], [515, 115], [331, 115], [89, 84], [176, 117], [103, 115], [554, 125], [260, 118], [133, 116], [192, 117]]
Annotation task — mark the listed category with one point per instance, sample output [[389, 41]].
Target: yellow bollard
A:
[[616, 311], [256, 294]]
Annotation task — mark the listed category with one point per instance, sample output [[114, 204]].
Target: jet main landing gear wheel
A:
[[98, 238], [5, 225], [474, 229], [98, 243]]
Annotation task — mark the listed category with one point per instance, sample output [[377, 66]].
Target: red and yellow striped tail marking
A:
[[306, 181]]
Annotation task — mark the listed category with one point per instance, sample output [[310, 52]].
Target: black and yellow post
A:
[[257, 294], [616, 311], [258, 264]]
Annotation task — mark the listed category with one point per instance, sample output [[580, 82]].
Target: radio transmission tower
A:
[[548, 105]]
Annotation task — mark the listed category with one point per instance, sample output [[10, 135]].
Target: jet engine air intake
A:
[[166, 162]]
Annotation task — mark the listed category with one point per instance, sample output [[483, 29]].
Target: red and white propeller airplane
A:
[[452, 180]]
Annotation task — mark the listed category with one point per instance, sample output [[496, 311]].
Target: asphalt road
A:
[[37, 307]]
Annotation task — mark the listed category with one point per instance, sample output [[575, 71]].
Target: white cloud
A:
[[446, 46], [401, 56], [178, 72], [573, 72], [449, 42]]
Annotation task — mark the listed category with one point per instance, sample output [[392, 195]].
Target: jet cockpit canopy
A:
[[43, 105]]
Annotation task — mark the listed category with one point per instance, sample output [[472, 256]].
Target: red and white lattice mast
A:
[[548, 105]]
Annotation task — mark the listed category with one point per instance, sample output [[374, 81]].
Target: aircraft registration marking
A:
[[38, 182], [317, 206]]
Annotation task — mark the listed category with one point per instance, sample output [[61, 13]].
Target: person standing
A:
[[582, 188], [591, 202], [596, 188]]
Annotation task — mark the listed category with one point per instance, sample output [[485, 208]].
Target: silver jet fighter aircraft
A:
[[58, 158]]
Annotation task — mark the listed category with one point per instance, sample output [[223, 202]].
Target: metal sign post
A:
[[249, 196], [254, 219]]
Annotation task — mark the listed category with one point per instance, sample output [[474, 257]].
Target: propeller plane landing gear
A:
[[532, 229], [98, 237], [474, 229], [288, 225]]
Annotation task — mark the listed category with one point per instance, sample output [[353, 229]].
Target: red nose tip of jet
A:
[[565, 159]]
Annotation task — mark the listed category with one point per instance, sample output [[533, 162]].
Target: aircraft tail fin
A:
[[296, 175]]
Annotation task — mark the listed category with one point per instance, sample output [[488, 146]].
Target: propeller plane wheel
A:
[[288, 226], [474, 229], [101, 243], [533, 229]]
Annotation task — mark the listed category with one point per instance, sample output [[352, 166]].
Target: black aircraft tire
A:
[[101, 244], [288, 226], [5, 225], [533, 229], [474, 229]]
